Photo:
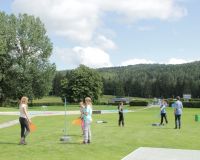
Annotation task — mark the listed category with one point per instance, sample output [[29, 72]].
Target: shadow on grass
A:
[[115, 126], [74, 143], [163, 128], [12, 143], [75, 135]]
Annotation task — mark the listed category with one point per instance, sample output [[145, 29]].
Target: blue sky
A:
[[99, 33]]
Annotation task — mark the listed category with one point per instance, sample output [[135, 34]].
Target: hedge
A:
[[190, 104], [138, 103]]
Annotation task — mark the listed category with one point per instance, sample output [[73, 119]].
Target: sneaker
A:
[[88, 141], [84, 142]]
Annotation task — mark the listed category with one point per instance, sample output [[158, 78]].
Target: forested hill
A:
[[152, 80]]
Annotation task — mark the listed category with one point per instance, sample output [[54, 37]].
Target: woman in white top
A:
[[87, 120], [24, 119]]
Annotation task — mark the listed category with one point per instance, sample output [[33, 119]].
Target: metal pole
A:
[[65, 138], [65, 117]]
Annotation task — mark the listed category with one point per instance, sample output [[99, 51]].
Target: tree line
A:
[[145, 80]]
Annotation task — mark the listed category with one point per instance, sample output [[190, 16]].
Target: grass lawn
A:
[[7, 118], [108, 140]]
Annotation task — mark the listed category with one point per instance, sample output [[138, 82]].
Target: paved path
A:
[[147, 153], [33, 114], [55, 113]]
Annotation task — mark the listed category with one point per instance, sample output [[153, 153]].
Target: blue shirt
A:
[[88, 111], [178, 107]]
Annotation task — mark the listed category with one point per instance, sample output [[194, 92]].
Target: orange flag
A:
[[32, 127], [77, 121]]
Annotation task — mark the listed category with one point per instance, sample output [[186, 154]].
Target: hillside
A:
[[151, 80]]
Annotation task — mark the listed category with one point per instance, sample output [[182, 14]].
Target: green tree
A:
[[25, 49], [81, 83]]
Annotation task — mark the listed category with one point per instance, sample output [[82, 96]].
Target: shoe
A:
[[21, 141], [175, 128], [24, 143], [88, 141], [84, 142]]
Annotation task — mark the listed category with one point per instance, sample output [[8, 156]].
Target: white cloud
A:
[[78, 20], [145, 61], [136, 61], [82, 22], [104, 43], [178, 61], [89, 56], [93, 57], [72, 19]]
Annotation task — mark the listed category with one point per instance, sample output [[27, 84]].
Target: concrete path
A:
[[147, 153], [55, 113], [34, 114]]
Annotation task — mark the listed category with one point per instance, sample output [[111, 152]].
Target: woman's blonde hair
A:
[[88, 99], [24, 100]]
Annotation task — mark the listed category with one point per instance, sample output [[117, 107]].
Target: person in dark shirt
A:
[[121, 114]]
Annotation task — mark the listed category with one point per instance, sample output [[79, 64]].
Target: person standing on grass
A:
[[87, 116], [178, 110], [163, 112], [121, 114], [24, 119], [82, 106]]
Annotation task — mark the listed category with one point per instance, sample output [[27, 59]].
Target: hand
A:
[[29, 121]]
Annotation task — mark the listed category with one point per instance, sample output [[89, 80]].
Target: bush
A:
[[47, 104], [138, 103], [100, 103], [190, 104], [194, 99]]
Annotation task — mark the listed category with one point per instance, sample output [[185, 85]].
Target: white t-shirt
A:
[[22, 107]]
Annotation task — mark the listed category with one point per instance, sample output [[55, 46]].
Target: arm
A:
[[25, 112], [162, 108]]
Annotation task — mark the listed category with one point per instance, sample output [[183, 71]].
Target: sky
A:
[[108, 33]]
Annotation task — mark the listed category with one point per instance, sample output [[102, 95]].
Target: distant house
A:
[[117, 100]]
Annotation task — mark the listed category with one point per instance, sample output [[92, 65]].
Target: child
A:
[[24, 119], [82, 115], [121, 114], [87, 120], [163, 112]]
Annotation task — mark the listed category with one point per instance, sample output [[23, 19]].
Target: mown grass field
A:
[[108, 142], [7, 118]]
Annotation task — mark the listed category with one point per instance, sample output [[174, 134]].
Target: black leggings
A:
[[24, 127], [177, 121], [121, 119], [163, 116]]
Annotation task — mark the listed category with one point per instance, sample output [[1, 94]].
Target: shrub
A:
[[138, 103], [190, 104], [47, 104], [194, 99]]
